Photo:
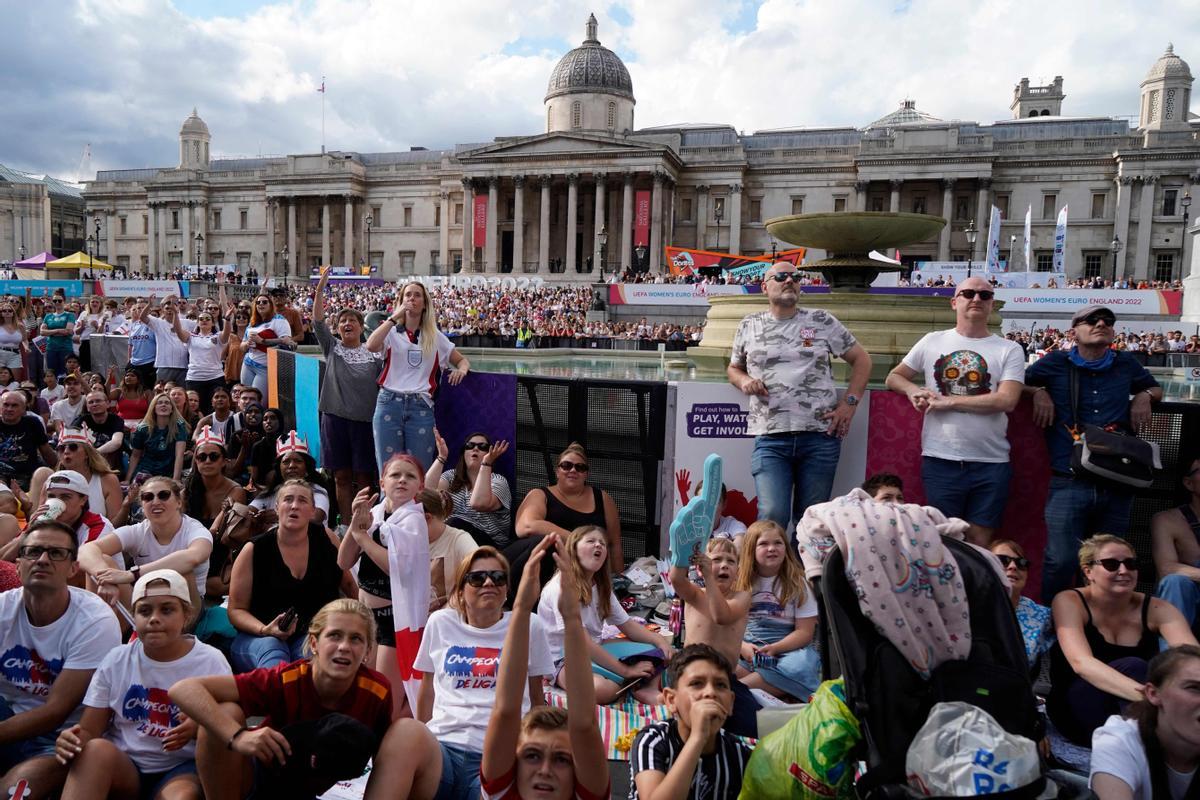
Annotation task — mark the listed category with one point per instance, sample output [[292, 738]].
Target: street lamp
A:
[[640, 252], [1115, 248], [93, 241], [369, 220], [96, 224], [21, 253], [971, 234], [285, 265], [1186, 202], [602, 237], [199, 237], [1012, 245], [719, 214]]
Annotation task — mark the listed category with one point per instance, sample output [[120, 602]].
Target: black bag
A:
[[1113, 456]]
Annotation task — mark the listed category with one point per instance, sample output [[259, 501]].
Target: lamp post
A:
[[369, 220], [1186, 202], [1115, 248], [96, 225], [199, 237], [640, 252], [92, 241], [285, 265], [21, 253], [718, 214], [971, 234], [1012, 245], [602, 237]]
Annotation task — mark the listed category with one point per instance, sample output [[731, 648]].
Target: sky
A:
[[118, 77]]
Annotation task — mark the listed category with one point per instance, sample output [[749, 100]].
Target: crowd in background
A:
[[1153, 342]]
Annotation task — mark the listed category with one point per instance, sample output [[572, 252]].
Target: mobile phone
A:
[[289, 617], [141, 478]]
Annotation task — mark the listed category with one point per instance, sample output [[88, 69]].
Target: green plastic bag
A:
[[809, 757]]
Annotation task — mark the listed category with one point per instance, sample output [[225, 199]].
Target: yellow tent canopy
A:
[[78, 261]]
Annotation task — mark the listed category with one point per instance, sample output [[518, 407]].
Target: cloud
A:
[[123, 74]]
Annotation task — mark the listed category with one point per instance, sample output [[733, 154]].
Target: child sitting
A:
[[776, 656], [884, 487], [716, 615], [689, 755]]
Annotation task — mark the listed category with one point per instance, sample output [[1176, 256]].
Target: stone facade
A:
[[550, 197], [40, 214]]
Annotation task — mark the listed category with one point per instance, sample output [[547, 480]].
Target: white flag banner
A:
[[1028, 236], [993, 248], [1060, 241]]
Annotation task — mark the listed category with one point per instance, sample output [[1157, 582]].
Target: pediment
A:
[[562, 143]]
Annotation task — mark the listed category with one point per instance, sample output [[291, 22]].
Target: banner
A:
[[957, 271], [685, 261], [1066, 301], [1028, 235], [480, 218], [641, 219], [1060, 241], [993, 246], [711, 418], [672, 294], [137, 288], [43, 288]]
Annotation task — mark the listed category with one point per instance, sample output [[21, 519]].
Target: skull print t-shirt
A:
[[957, 365]]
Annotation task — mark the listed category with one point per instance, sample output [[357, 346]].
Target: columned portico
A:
[[110, 231], [151, 243], [468, 251], [544, 226], [518, 256], [597, 254], [860, 195], [185, 222], [293, 253], [572, 219], [269, 263], [947, 212], [491, 255], [627, 222], [656, 218], [894, 199], [701, 214], [1141, 264], [444, 233]]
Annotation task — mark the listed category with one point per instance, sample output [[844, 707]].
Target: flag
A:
[[993, 248], [1028, 226], [407, 538], [1060, 241], [322, 89]]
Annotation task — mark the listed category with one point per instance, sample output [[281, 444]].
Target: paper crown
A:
[[207, 435], [76, 435], [292, 443]]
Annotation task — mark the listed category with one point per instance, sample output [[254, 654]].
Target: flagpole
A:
[[322, 114]]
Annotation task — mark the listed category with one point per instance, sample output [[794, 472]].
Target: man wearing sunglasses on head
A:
[[1113, 389], [972, 379], [52, 638], [781, 359], [1175, 538]]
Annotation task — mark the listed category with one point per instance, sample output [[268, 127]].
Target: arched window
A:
[[612, 115], [1033, 113], [1046, 112], [576, 114]]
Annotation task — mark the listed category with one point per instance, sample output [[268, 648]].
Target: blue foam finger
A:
[[693, 525]]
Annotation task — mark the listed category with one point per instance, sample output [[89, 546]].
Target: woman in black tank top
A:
[[1107, 633]]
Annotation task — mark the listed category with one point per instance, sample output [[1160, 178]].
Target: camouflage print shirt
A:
[[791, 356]]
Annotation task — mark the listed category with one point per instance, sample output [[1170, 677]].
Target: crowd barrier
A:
[[575, 342]]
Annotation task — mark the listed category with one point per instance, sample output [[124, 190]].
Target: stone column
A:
[[597, 256], [1124, 187], [151, 244], [701, 214], [894, 200], [544, 225], [187, 248], [734, 214], [982, 216], [518, 256], [627, 223], [948, 213], [860, 195], [163, 228], [326, 242], [656, 221], [1141, 264], [110, 230], [572, 215], [444, 264], [293, 254], [202, 228], [269, 264], [348, 234], [491, 251], [468, 224]]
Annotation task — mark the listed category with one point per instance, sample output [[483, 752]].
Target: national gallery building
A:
[[594, 191]]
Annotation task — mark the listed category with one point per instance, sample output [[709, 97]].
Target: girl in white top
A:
[[206, 354], [415, 352], [132, 740], [267, 329], [12, 340]]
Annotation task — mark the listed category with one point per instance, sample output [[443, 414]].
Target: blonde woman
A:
[[12, 340], [414, 354], [77, 451], [159, 441]]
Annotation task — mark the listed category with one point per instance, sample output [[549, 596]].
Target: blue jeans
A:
[[14, 753], [254, 652], [403, 423], [793, 471], [1181, 592], [57, 360], [460, 773], [975, 491], [1076, 509]]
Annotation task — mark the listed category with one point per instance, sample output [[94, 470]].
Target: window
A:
[[797, 205], [456, 260], [1045, 262], [685, 209], [755, 209], [123, 263], [918, 205], [217, 257], [1002, 204], [839, 204], [145, 263], [376, 259], [216, 219], [962, 207], [1098, 201], [407, 260], [1093, 263], [458, 207], [1169, 197], [576, 114], [1049, 203], [174, 220], [377, 216], [122, 226], [1164, 267], [612, 115], [243, 219], [435, 261], [510, 209], [145, 224], [408, 216], [437, 216], [243, 261]]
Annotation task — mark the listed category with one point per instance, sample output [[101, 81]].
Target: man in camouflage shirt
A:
[[781, 359]]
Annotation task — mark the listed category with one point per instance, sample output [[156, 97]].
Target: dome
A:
[[590, 68], [905, 115], [194, 125], [1169, 65]]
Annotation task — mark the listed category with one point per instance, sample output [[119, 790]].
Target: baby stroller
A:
[[892, 701]]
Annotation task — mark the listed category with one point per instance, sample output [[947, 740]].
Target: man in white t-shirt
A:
[[171, 357], [972, 380], [52, 638], [64, 411]]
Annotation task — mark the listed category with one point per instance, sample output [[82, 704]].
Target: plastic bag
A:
[[961, 751], [808, 758]]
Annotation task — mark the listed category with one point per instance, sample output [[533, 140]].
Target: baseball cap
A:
[[176, 586], [1087, 311], [67, 479]]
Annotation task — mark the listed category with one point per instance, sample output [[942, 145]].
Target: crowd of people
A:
[[1151, 342], [177, 566]]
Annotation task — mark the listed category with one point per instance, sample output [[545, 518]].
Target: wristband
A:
[[237, 733]]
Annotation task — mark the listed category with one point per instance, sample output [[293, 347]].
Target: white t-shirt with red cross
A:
[[406, 368], [274, 328]]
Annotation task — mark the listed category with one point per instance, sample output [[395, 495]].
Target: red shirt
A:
[[285, 694], [505, 788]]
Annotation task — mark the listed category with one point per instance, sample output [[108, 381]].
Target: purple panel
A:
[[483, 402]]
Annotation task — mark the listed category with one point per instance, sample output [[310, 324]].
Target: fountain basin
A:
[[844, 233]]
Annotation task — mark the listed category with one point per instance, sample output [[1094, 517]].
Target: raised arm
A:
[[318, 309], [482, 497], [180, 331]]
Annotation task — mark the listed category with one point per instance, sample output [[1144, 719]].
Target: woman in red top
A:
[[333, 681], [132, 399]]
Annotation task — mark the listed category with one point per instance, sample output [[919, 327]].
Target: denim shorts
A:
[[975, 491], [151, 782], [15, 753], [460, 773]]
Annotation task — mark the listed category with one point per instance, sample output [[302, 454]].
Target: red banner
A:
[[684, 261], [641, 219], [480, 218]]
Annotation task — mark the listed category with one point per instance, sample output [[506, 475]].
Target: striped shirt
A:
[[718, 776]]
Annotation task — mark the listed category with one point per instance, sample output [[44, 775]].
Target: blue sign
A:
[[41, 287]]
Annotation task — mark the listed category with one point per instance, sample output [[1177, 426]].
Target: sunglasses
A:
[[1022, 563], [1094, 319], [476, 446], [982, 294], [202, 457], [568, 466], [69, 447], [479, 577], [33, 552], [1113, 564], [780, 277], [162, 495]]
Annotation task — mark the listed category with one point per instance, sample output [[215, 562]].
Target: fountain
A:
[[886, 325]]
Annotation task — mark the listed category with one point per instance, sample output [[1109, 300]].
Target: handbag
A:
[[1110, 455], [238, 524]]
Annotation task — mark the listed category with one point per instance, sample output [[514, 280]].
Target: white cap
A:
[[67, 479], [176, 586]]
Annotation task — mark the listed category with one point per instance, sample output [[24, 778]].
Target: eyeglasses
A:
[[162, 495], [1097, 318], [476, 446], [32, 552], [970, 294], [262, 302], [567, 466], [477, 578], [1113, 564], [69, 447], [1022, 563], [202, 457], [780, 277]]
